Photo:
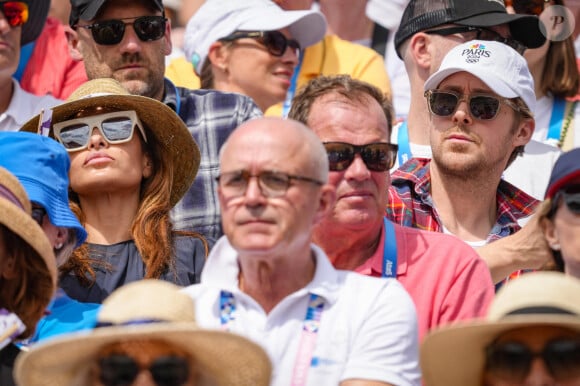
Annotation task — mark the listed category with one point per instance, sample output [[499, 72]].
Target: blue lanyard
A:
[[389, 251], [292, 89], [309, 332], [403, 142], [555, 128]]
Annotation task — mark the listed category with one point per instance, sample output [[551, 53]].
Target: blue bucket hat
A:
[[41, 165]]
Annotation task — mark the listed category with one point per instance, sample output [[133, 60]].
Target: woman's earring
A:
[[555, 247]]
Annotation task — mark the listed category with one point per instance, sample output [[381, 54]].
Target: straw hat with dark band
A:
[[227, 358], [15, 215], [455, 355], [163, 127]]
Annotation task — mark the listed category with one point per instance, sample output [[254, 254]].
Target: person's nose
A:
[[131, 42], [253, 195], [4, 25], [539, 374], [290, 56], [96, 140], [357, 170], [462, 115]]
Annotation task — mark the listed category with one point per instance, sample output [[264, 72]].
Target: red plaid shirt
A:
[[410, 202]]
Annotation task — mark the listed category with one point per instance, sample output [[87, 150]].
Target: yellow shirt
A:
[[330, 56]]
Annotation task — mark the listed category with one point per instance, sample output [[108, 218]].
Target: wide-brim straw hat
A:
[[163, 127], [455, 355], [15, 209], [37, 14], [227, 358]]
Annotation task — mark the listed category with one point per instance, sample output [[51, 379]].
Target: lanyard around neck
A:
[[389, 251], [404, 153], [309, 333], [292, 89]]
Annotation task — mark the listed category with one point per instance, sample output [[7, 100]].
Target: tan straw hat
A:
[[230, 359], [15, 215], [163, 127], [455, 355]]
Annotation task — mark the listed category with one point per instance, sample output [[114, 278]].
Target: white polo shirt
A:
[[367, 330]]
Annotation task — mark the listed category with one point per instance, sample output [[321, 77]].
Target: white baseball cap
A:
[[499, 66], [216, 19]]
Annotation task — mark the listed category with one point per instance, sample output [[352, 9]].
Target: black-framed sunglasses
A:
[[15, 12], [275, 41], [480, 34], [481, 106], [111, 32], [122, 370], [271, 183], [38, 214], [511, 361], [377, 156]]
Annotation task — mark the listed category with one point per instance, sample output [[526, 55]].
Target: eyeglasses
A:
[[274, 41], [527, 7], [512, 361], [481, 106], [111, 32], [38, 214], [122, 370], [271, 183], [378, 156], [480, 34], [15, 12], [116, 128]]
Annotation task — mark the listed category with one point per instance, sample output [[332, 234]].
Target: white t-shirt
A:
[[368, 327], [24, 106]]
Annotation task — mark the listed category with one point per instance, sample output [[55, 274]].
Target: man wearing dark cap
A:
[[20, 23], [128, 40], [428, 30]]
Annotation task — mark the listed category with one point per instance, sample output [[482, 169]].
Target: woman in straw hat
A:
[[531, 336], [560, 214], [132, 159], [27, 271], [147, 335]]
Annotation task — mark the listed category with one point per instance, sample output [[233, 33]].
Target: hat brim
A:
[[523, 28], [455, 355], [162, 125], [307, 27], [37, 14], [22, 224], [226, 357], [557, 185], [489, 78]]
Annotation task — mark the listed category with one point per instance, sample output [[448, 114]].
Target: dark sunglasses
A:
[[117, 127], [480, 34], [274, 41], [15, 12], [378, 156], [527, 7], [481, 106], [111, 32], [38, 214], [122, 370], [571, 197], [512, 361]]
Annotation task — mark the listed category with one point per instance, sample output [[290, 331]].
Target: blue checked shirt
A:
[[210, 116]]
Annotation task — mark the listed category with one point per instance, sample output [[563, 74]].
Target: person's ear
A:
[[420, 50], [326, 202], [524, 132], [147, 165], [218, 55], [8, 267], [167, 44], [74, 43], [61, 237], [550, 233]]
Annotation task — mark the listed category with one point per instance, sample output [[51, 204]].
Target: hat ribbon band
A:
[[133, 322], [7, 194], [541, 310]]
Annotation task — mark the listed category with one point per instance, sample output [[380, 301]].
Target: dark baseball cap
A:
[[566, 169], [422, 15], [88, 9]]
